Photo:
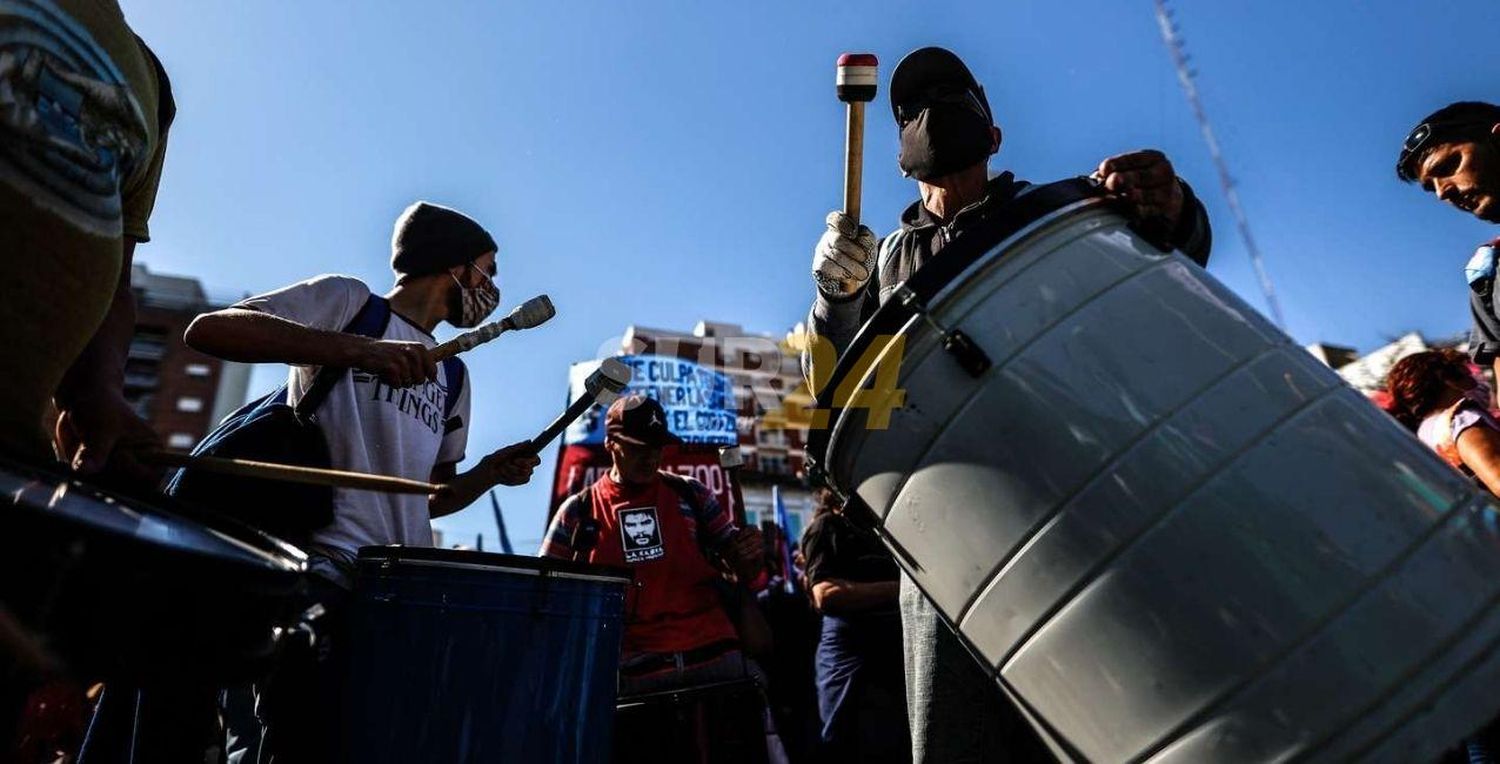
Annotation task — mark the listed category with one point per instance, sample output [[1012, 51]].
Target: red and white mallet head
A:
[[856, 77]]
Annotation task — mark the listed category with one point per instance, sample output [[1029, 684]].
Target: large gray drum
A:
[[1170, 533]]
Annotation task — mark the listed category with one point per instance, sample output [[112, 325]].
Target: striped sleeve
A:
[[715, 526], [558, 541]]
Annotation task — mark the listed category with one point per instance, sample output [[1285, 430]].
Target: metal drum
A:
[[473, 657], [137, 592], [1171, 533]]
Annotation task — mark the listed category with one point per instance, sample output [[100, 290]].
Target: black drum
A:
[[723, 723], [127, 591]]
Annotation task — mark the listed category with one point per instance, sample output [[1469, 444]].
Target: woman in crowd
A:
[[1438, 395], [861, 688]]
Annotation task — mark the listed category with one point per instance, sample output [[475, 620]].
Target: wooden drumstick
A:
[[855, 85], [531, 313], [290, 473]]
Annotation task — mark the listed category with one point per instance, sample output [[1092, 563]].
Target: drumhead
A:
[[463, 559], [78, 508], [933, 279]]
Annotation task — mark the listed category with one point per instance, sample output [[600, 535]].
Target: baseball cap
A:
[[639, 420], [926, 69]]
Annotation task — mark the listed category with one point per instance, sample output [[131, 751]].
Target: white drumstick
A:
[[531, 313]]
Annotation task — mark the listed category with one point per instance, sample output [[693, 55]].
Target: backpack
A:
[[268, 429]]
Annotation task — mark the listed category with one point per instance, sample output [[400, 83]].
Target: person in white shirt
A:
[[389, 415]]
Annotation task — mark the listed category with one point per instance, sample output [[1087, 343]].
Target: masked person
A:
[[385, 417], [1454, 153], [948, 133]]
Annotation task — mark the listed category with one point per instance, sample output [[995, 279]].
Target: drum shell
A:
[[1171, 533], [465, 656], [121, 590]]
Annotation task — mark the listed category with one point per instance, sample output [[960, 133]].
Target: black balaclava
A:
[[943, 139]]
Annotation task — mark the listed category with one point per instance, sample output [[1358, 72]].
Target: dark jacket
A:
[[837, 319]]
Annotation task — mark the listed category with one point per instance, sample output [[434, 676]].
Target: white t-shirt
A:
[[371, 427]]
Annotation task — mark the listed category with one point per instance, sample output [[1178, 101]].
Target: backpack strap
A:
[[453, 372], [684, 491], [371, 321], [586, 531]]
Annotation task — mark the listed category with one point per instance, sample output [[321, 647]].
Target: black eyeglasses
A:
[[1421, 138], [959, 96]]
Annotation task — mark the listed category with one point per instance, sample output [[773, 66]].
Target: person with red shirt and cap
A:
[[669, 530]]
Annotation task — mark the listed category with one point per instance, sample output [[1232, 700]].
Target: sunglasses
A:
[[949, 95], [1425, 136]]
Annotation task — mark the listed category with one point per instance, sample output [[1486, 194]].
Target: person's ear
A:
[[995, 137]]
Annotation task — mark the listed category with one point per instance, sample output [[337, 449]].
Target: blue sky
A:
[[664, 162]]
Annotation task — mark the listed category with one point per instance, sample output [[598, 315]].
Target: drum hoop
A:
[[275, 556], [537, 572], [1034, 208], [466, 559]]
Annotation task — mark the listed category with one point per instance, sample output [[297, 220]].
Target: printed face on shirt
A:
[[640, 534]]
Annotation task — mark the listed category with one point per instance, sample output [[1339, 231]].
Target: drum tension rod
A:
[[970, 356]]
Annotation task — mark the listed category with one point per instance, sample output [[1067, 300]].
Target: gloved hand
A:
[[844, 257]]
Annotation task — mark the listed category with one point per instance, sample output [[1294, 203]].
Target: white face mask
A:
[[477, 303]]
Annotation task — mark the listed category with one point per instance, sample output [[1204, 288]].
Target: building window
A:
[[189, 404], [181, 440], [197, 370]]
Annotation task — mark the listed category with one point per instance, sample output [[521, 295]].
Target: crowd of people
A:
[[839, 658]]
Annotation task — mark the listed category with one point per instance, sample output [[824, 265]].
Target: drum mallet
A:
[[855, 84], [531, 313], [292, 473], [602, 387]]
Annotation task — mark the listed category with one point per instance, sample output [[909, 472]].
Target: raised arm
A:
[[1479, 448], [251, 336], [511, 465]]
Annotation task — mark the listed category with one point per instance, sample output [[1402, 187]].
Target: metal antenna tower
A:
[[1185, 74]]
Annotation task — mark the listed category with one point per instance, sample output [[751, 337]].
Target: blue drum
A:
[[471, 657]]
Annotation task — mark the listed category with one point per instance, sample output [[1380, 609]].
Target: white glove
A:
[[844, 257]]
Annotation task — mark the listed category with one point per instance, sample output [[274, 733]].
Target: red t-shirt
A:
[[652, 530]]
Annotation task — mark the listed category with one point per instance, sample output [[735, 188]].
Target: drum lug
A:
[[971, 358]]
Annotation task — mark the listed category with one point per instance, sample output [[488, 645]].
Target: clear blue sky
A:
[[663, 162]]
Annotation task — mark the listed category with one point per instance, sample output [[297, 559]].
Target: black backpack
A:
[[269, 430]]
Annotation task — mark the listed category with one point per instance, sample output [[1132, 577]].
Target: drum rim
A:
[[275, 556], [515, 563], [1035, 206]]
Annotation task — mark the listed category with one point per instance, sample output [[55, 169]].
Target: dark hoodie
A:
[[900, 254]]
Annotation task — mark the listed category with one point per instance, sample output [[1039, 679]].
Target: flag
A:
[[500, 523], [789, 577]]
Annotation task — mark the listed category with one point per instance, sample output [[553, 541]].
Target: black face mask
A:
[[943, 139]]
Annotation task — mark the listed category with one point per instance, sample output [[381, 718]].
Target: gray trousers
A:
[[958, 715]]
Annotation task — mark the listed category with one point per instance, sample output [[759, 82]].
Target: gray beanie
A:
[[430, 238]]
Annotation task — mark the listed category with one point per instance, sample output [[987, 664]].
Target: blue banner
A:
[[699, 401]]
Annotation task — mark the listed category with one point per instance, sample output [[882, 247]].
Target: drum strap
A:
[[371, 321]]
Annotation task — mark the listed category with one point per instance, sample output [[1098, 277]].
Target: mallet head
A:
[[608, 381], [531, 313], [856, 77], [730, 457]]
